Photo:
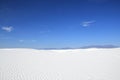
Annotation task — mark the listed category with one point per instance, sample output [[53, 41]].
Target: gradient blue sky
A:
[[59, 23]]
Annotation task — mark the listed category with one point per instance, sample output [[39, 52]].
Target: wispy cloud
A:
[[21, 40], [98, 1], [33, 40], [47, 31], [5, 37], [87, 23], [100, 46], [7, 28]]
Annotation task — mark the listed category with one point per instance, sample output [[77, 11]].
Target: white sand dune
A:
[[77, 64]]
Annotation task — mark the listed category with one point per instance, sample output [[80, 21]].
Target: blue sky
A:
[[59, 23]]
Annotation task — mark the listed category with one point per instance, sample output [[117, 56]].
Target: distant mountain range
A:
[[84, 47]]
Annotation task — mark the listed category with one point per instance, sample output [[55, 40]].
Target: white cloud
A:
[[87, 23], [7, 28], [21, 40]]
